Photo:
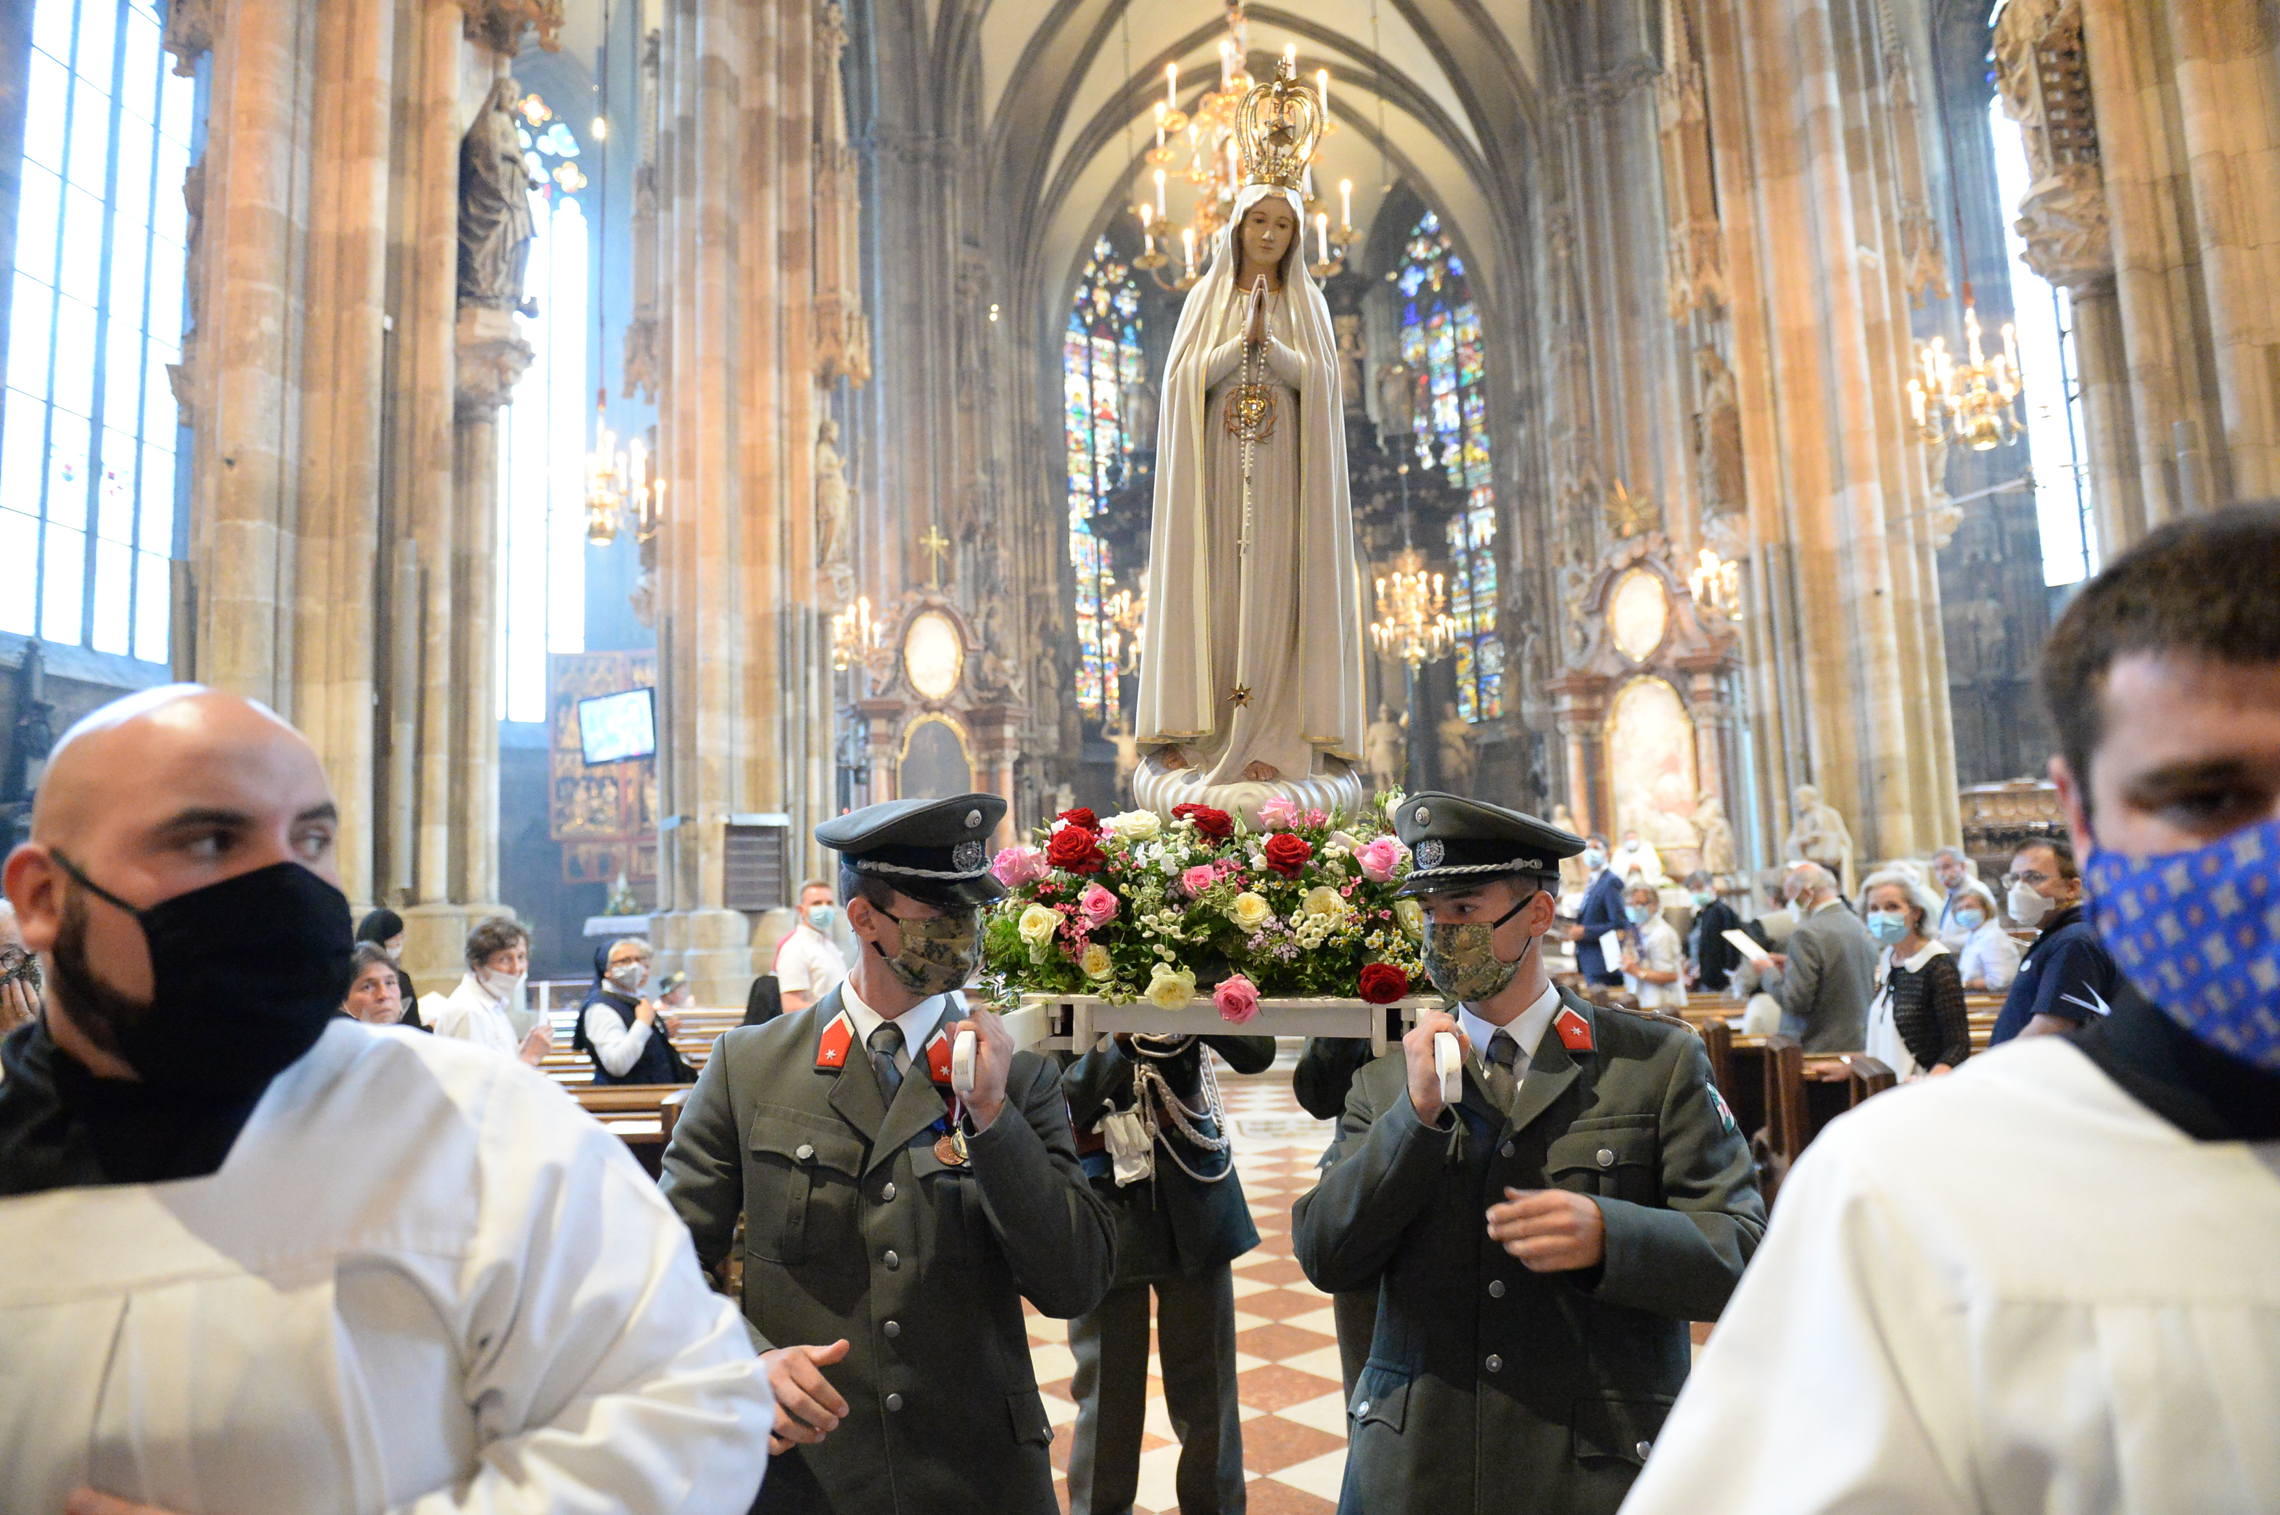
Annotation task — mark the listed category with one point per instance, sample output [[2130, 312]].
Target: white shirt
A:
[[917, 1023], [1660, 951], [1948, 931], [422, 1282], [1526, 1029], [1989, 955], [808, 962], [472, 1013], [617, 1046], [2014, 1288], [1882, 1040]]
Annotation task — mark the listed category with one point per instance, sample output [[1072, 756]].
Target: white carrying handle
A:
[[1449, 1063], [962, 1064]]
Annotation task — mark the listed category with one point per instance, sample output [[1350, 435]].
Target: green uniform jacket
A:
[[1491, 1388], [855, 1229]]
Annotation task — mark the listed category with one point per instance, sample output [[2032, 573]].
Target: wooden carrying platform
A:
[[1074, 1022]]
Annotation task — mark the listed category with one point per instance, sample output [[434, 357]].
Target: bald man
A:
[[256, 1257]]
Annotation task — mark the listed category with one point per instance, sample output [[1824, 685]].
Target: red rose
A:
[[1073, 848], [1287, 853], [1216, 824], [1383, 983], [1082, 819]]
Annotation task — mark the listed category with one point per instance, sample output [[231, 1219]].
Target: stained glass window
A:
[[88, 430], [1101, 362], [1441, 344], [543, 433]]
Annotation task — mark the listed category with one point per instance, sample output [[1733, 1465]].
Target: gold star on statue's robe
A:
[[1240, 694]]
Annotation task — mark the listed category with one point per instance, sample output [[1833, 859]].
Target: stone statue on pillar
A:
[[1349, 329], [1385, 749], [1718, 437], [1718, 854], [496, 224], [834, 516], [1818, 834], [1397, 408], [1459, 759], [1575, 877]]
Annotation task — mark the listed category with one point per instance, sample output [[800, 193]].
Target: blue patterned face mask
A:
[[2198, 933]]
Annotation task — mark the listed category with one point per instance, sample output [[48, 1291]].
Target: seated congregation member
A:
[[1654, 962], [1988, 958], [891, 1229], [1538, 1250], [256, 1258], [482, 1009], [2067, 978], [384, 928], [808, 961], [628, 1038], [1177, 1231], [2047, 1282], [1951, 871], [1828, 968], [1916, 1022], [1710, 958], [1600, 913], [373, 995]]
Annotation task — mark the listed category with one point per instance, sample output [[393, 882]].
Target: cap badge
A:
[[973, 819], [1429, 855], [969, 857], [1424, 815]]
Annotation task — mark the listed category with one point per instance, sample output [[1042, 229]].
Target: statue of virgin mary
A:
[[1251, 670]]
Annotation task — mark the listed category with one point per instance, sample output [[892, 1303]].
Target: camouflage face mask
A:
[[1462, 962], [938, 954]]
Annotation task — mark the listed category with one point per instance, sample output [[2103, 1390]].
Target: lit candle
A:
[[1309, 183], [1322, 88], [1159, 126], [1171, 86], [1159, 193], [1290, 59], [1322, 234], [1345, 205], [1187, 244], [1916, 401], [1151, 239]]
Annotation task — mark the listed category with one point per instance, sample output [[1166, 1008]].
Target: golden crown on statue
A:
[[1278, 127]]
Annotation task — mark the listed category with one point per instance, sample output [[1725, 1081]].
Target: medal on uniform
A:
[[950, 1149]]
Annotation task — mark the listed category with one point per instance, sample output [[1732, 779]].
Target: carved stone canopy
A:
[[499, 24], [1639, 614], [491, 358]]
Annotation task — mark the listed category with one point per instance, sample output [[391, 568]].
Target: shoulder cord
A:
[[1152, 1096]]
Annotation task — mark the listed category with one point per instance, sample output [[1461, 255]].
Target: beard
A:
[[100, 1012]]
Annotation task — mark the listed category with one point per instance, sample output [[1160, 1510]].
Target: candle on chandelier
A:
[[1345, 205], [1171, 86], [1187, 245], [1290, 58], [1322, 234], [1159, 193], [1916, 401], [1159, 126], [1322, 88]]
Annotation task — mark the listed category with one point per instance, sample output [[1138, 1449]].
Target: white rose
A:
[[1249, 911], [1324, 900], [1096, 962], [1038, 923], [1136, 825], [1169, 988]]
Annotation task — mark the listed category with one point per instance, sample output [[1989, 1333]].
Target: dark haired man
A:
[[2046, 1282], [484, 1007], [2067, 978], [891, 1228], [1537, 1250]]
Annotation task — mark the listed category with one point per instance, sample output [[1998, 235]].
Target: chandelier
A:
[[1413, 623], [855, 636], [621, 487], [1201, 149], [1717, 584], [1975, 402]]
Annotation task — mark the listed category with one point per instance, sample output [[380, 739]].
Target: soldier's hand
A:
[[1424, 1077], [1549, 1230], [993, 1061], [808, 1408]]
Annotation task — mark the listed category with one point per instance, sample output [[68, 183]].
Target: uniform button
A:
[[894, 1401], [887, 1193], [1496, 1288], [893, 1328], [893, 1260], [804, 1152], [1495, 1364], [1606, 1157], [1505, 1150], [1642, 1449], [1363, 1408]]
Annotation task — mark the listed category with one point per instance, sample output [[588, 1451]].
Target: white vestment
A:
[[1253, 656], [423, 1281], [2014, 1288]]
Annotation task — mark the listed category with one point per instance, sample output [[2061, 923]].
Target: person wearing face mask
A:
[[1537, 1249], [809, 964], [2067, 978], [1988, 959], [373, 996], [891, 1227], [482, 1009], [2046, 1282], [257, 1256], [1654, 960], [1826, 971], [1601, 912], [1951, 871], [1711, 959], [1916, 1022], [627, 1035]]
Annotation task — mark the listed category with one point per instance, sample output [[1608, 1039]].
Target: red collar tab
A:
[[938, 1054], [1574, 1030], [838, 1037]]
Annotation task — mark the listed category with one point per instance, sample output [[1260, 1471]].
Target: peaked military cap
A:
[[1456, 843], [933, 850]]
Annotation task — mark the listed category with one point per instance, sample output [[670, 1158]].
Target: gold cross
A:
[[937, 547], [1241, 694]]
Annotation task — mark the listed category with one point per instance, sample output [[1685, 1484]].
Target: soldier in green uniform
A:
[[891, 1229], [1538, 1250]]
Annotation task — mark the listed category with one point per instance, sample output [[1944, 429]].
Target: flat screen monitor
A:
[[613, 728]]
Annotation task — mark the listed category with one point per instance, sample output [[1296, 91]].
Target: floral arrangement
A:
[[1144, 907]]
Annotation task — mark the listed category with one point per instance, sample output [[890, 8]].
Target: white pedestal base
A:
[[1157, 788]]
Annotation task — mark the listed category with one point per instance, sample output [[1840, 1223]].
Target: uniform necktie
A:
[[1503, 1072], [885, 1043]]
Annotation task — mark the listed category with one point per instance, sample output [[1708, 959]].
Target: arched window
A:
[[1440, 343], [543, 441], [89, 521], [1101, 363]]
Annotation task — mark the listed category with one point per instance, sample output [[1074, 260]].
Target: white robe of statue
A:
[[1252, 657]]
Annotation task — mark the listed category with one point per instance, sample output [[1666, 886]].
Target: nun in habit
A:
[[1251, 667]]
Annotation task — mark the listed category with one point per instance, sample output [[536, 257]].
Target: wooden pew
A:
[[1837, 1082], [640, 1115], [1763, 1080]]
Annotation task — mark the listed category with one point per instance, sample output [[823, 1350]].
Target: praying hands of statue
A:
[[1256, 330]]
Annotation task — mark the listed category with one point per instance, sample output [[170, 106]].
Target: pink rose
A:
[[1317, 818], [1237, 999], [1199, 878], [1017, 866], [1379, 859], [1098, 906], [1278, 811]]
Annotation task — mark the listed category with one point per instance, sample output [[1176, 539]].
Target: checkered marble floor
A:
[[1294, 1416]]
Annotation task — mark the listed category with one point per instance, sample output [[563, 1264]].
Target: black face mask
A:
[[245, 976]]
